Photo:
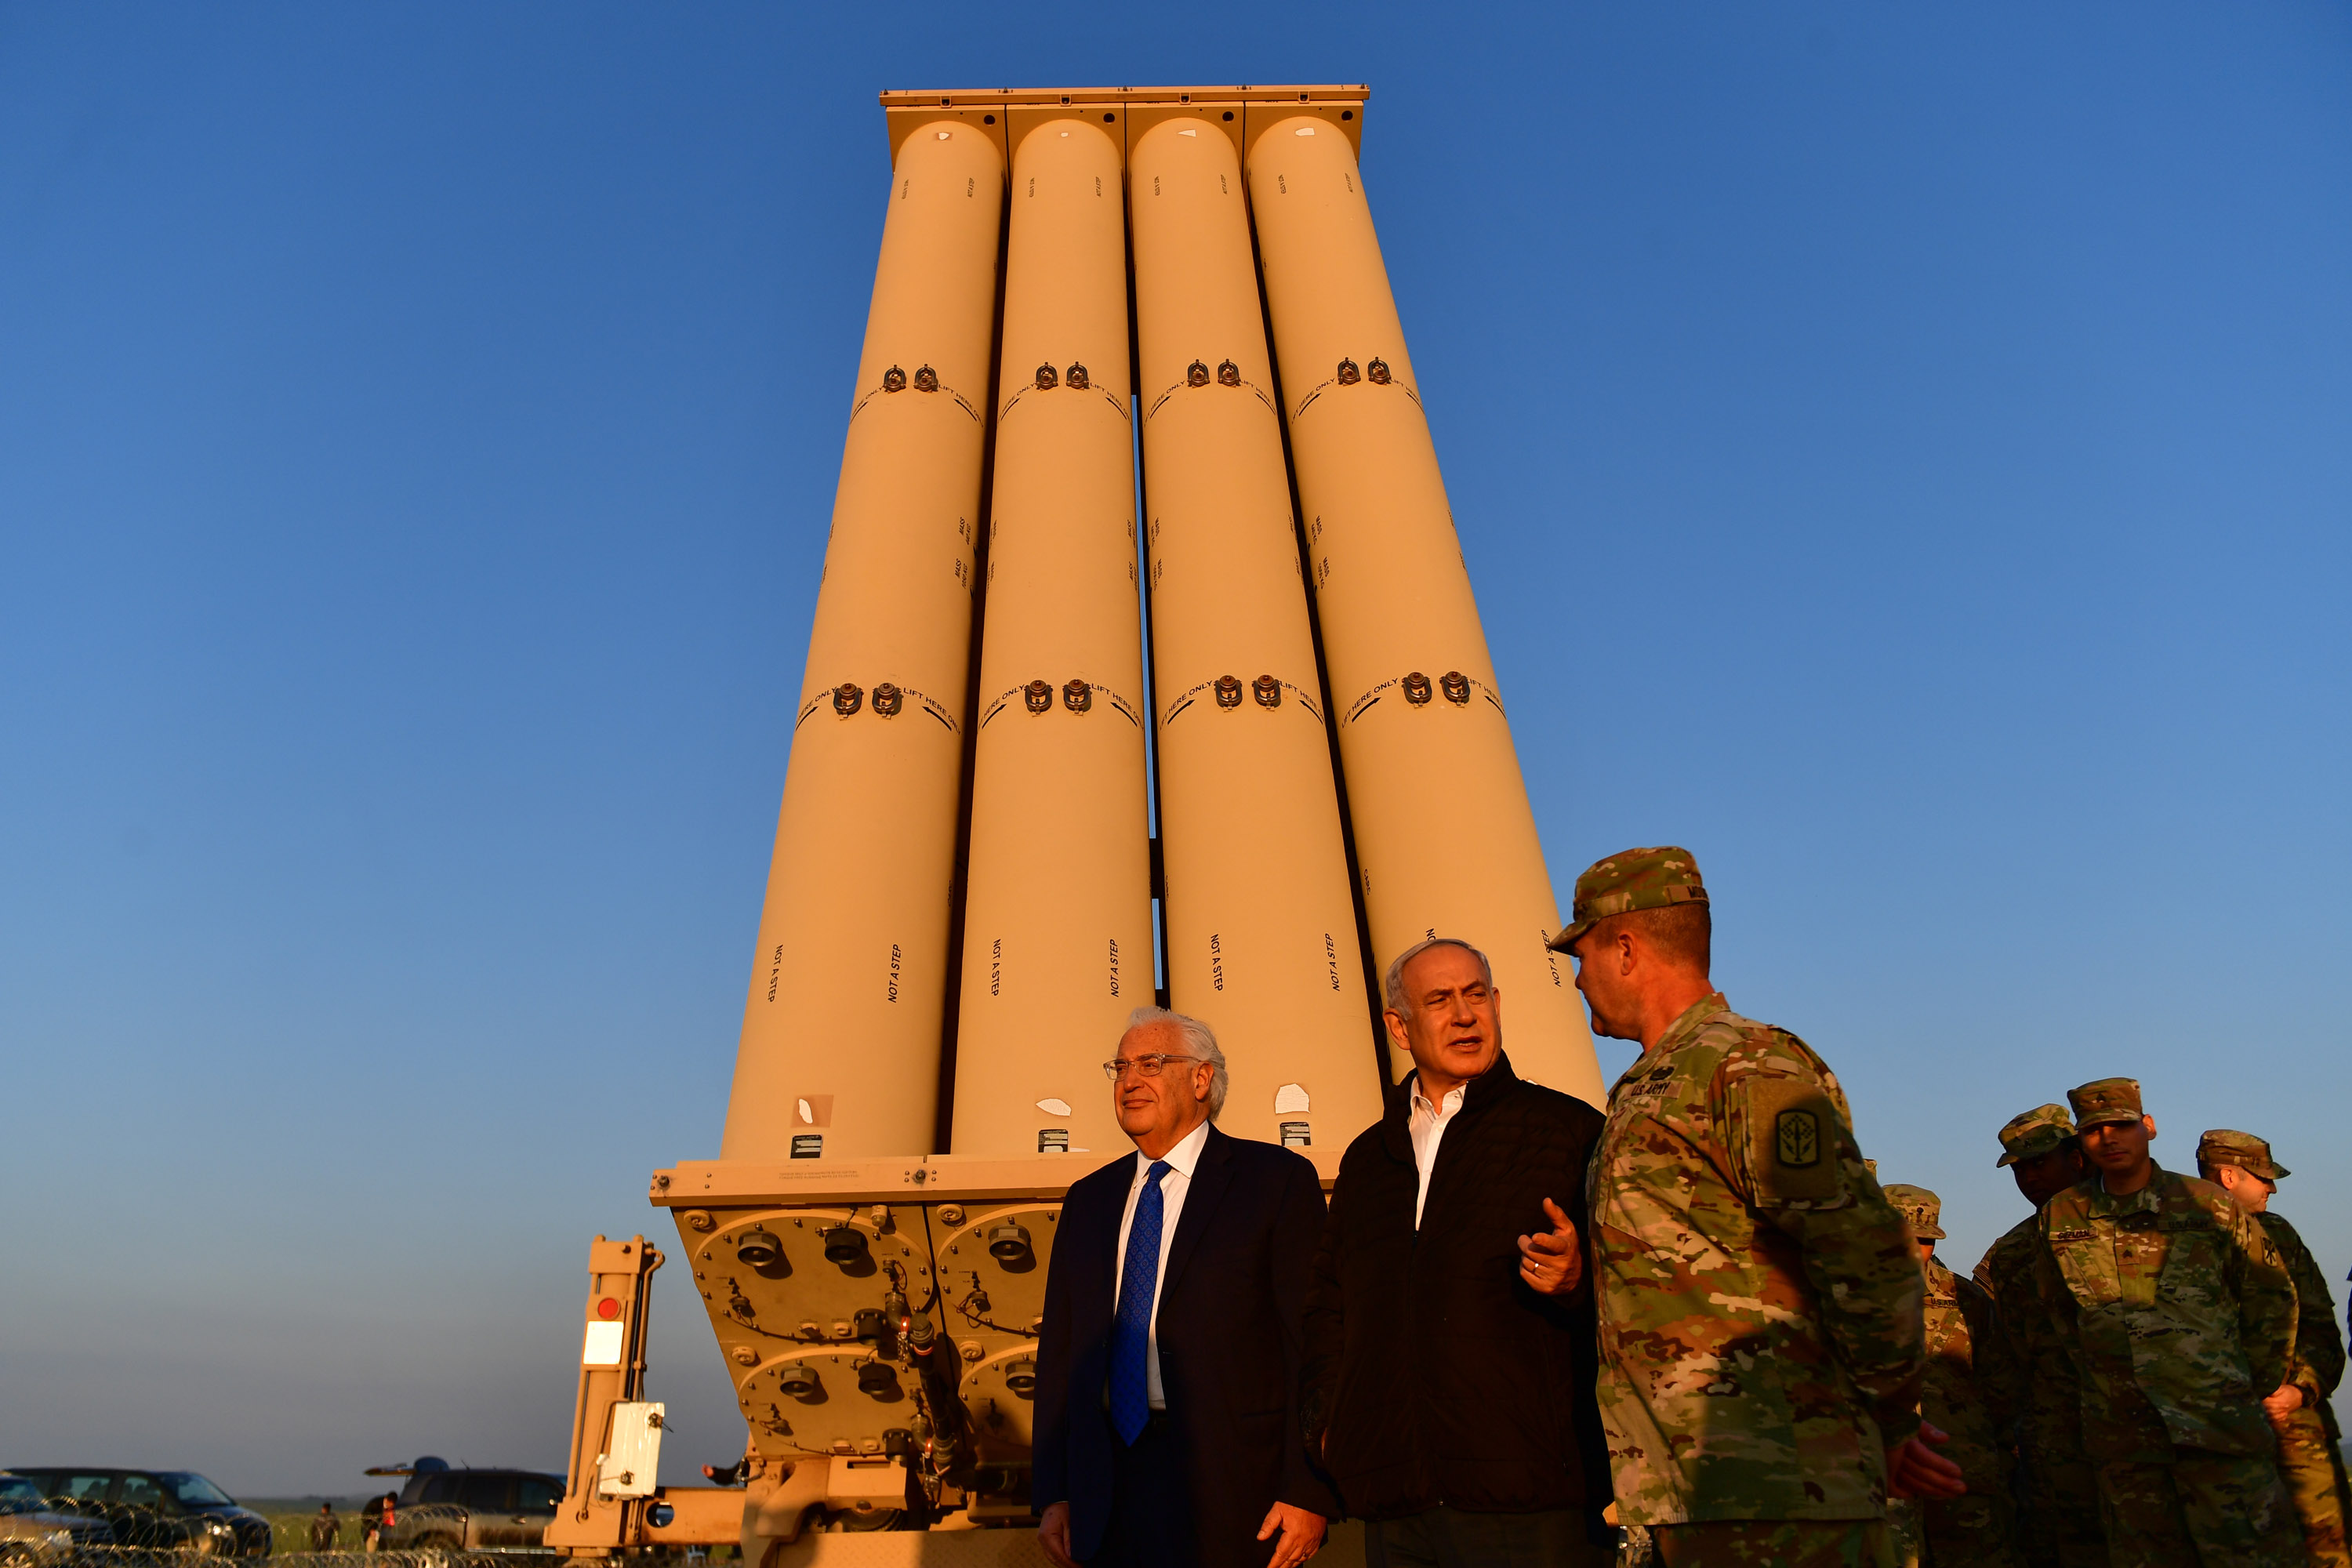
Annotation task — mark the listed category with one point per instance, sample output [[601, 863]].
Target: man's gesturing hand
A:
[[1302, 1534], [1552, 1263], [1915, 1470], [1054, 1534]]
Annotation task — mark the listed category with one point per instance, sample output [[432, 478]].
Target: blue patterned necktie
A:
[[1130, 1328]]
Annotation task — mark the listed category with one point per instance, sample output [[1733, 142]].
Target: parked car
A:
[[174, 1508], [473, 1510], [29, 1526]]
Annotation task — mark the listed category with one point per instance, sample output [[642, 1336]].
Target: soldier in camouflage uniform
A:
[[2177, 1316], [2030, 1376], [1978, 1529], [1761, 1345], [2310, 1461]]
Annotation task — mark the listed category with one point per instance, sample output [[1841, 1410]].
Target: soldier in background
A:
[[2030, 1376], [1761, 1345], [1978, 1529], [2309, 1459], [2178, 1317], [326, 1529]]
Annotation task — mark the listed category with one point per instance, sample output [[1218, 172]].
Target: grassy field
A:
[[290, 1520]]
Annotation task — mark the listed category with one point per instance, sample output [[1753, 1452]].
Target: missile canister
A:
[[1444, 841], [1259, 922], [840, 1051], [1058, 913]]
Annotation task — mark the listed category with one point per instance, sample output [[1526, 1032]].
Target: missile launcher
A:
[[1133, 382]]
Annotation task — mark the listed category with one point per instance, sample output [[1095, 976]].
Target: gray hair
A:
[[1200, 1042], [1392, 995]]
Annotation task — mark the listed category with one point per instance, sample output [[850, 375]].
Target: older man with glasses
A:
[[1168, 1368]]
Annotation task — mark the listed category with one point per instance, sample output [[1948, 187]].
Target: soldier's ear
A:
[[2149, 1122]]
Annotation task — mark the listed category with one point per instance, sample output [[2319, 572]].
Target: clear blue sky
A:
[[1903, 455]]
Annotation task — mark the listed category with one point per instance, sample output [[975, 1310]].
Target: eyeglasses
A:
[[1147, 1064]]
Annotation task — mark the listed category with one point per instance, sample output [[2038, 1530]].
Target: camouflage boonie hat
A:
[[1920, 1209], [2034, 1133], [2243, 1150], [2104, 1099], [1632, 879]]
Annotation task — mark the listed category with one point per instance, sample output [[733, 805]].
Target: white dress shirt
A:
[[1427, 1128], [1172, 1188]]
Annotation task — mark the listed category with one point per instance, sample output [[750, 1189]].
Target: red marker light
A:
[[608, 1309]]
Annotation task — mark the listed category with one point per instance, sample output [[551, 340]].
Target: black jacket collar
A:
[[1483, 1093]]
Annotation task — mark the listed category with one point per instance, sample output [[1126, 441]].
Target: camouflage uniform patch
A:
[[1758, 1299], [1792, 1137]]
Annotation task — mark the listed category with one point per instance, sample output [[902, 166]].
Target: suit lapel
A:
[[1210, 1179]]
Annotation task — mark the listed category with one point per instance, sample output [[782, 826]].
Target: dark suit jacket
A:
[[1230, 1309]]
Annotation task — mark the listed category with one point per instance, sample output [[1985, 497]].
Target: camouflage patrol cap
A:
[[1632, 879], [2034, 1133], [1922, 1209], [2243, 1150], [2104, 1099]]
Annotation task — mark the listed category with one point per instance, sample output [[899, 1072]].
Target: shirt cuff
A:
[[1898, 1424]]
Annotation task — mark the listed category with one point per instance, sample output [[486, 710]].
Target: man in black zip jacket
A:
[[1448, 1381]]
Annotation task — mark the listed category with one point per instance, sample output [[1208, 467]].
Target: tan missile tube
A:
[[840, 1049], [1260, 925], [1057, 914], [1445, 840]]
